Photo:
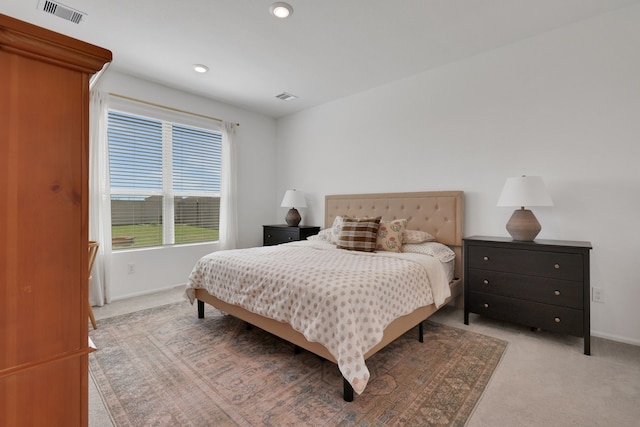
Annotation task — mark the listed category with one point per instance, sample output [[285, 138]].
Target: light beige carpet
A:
[[164, 366]]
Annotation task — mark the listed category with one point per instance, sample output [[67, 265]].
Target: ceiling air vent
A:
[[286, 96], [61, 11]]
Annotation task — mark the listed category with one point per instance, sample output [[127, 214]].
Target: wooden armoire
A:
[[44, 154]]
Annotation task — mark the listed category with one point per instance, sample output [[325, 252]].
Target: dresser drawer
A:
[[555, 265], [528, 313], [539, 289]]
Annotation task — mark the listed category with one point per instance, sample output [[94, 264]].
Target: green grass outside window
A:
[[145, 235]]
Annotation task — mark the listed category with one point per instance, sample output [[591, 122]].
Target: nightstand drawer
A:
[[548, 291], [277, 234], [555, 265], [274, 236], [533, 314]]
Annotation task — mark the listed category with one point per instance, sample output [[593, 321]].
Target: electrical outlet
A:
[[597, 295], [131, 268]]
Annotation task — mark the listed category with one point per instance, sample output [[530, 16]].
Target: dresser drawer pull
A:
[[268, 236], [557, 320], [556, 293], [485, 258], [556, 266], [290, 237], [485, 281], [485, 305]]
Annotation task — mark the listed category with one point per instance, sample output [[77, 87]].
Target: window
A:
[[165, 181]]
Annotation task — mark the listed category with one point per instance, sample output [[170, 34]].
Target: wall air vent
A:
[[286, 96], [61, 11]]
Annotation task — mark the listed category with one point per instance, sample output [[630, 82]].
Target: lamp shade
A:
[[293, 199], [525, 191]]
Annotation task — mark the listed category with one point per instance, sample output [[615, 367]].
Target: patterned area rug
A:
[[165, 367]]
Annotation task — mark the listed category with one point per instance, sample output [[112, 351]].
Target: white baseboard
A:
[[149, 292]]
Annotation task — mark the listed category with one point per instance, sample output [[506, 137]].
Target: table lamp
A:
[[293, 198], [524, 191]]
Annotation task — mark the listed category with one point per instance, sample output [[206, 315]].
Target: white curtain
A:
[[228, 199], [99, 199]]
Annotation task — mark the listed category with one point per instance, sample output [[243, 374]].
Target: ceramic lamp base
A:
[[523, 225], [293, 217]]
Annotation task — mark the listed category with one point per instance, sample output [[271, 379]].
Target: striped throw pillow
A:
[[359, 234]]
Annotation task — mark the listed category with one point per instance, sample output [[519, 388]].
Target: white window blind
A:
[[196, 183], [165, 181]]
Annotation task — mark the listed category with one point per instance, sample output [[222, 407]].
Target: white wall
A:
[[166, 267], [564, 105]]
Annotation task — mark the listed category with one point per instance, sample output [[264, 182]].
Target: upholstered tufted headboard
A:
[[437, 212]]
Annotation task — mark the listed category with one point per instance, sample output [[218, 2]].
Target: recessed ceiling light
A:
[[281, 9], [199, 68]]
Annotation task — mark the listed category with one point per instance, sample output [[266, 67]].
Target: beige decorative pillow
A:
[[335, 228], [417, 236], [359, 234], [390, 234]]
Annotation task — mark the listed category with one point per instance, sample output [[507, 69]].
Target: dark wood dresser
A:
[[542, 284], [282, 233]]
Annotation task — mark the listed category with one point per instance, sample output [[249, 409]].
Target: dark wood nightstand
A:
[[282, 233], [543, 284]]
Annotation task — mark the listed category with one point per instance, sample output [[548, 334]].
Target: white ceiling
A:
[[325, 50]]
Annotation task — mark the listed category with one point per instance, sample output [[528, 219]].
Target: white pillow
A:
[[416, 236], [441, 252], [323, 236]]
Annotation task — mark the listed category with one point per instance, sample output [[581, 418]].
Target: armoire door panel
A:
[[46, 204], [44, 387]]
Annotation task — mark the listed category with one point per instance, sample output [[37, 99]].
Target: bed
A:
[[439, 213]]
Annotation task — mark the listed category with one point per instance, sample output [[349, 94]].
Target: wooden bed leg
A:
[[200, 309], [459, 301], [420, 332], [348, 390]]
